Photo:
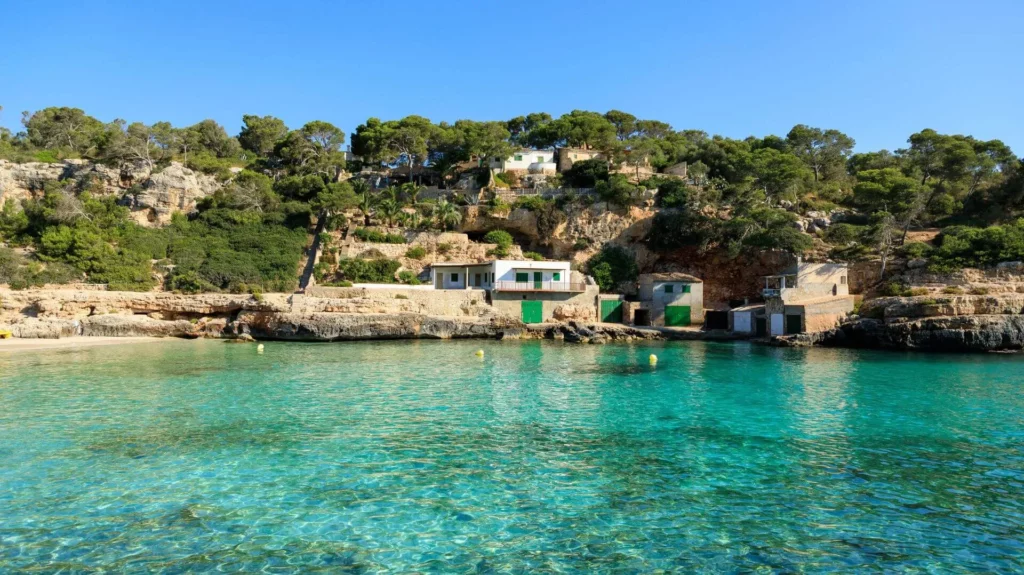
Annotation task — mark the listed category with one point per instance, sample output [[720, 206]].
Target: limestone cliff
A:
[[152, 194]]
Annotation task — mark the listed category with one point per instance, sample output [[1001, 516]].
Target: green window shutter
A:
[[686, 288], [556, 276], [540, 159], [455, 277], [669, 288], [522, 277], [519, 158]]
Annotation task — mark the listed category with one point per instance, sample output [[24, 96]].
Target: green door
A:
[[794, 324], [538, 280], [533, 312], [677, 315], [611, 311]]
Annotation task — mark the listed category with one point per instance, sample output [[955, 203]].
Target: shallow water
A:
[[541, 457]]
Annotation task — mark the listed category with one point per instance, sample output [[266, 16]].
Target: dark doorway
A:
[[761, 324], [716, 320], [642, 317], [794, 324]]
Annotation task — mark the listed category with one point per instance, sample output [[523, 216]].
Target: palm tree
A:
[[446, 214], [389, 210], [411, 191], [366, 205]]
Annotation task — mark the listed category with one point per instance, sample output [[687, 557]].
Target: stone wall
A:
[[560, 306], [400, 299], [825, 315]]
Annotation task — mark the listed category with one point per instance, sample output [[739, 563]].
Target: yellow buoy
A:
[[653, 359], [259, 348], [479, 353]]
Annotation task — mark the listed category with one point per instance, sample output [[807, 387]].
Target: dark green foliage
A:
[[533, 256], [408, 277], [962, 246], [612, 266], [380, 270], [758, 229], [915, 250], [416, 252], [842, 234], [532, 203], [586, 174], [672, 192], [499, 237], [617, 190], [368, 235], [20, 273]]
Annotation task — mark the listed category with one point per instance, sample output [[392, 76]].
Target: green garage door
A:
[[677, 315], [611, 311], [533, 312]]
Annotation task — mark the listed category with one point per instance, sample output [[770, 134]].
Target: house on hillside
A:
[[568, 156], [535, 291], [808, 298], [665, 299], [526, 161]]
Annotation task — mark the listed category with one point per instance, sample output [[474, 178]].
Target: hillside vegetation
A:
[[739, 195]]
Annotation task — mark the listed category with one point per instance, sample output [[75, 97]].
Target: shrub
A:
[[342, 283], [408, 277], [380, 270], [895, 289], [916, 250], [612, 266], [979, 291], [581, 244], [416, 252], [952, 290], [377, 237], [672, 193], [919, 291], [443, 248], [586, 173], [533, 256], [401, 296], [499, 237], [842, 234], [532, 203]]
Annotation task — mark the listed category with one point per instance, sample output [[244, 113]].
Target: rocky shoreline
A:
[[961, 323]]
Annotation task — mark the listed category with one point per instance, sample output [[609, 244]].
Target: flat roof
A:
[[489, 262], [671, 277]]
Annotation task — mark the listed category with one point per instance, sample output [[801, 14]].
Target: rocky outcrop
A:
[[153, 195], [173, 189], [79, 304], [346, 327], [959, 323], [136, 325]]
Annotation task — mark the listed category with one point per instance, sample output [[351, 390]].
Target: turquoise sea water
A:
[[419, 457]]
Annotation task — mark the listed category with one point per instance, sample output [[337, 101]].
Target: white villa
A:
[[526, 161], [533, 290]]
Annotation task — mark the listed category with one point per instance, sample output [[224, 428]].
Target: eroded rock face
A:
[[174, 188], [969, 333], [345, 327]]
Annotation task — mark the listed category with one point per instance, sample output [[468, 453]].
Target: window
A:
[[518, 157], [540, 159], [522, 277], [497, 159], [685, 288], [455, 277], [557, 276], [669, 288], [842, 280], [478, 280]]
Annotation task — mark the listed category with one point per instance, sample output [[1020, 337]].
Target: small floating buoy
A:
[[259, 348], [479, 353], [653, 359]]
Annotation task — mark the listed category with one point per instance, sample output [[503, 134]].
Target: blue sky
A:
[[875, 70]]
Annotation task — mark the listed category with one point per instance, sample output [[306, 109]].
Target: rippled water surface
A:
[[418, 456]]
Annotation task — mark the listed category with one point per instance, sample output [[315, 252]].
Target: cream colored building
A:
[[811, 297]]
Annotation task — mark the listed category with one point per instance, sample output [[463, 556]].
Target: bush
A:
[[380, 270], [919, 291], [499, 237], [842, 234], [672, 193], [979, 291], [408, 277], [612, 266], [443, 248], [895, 289], [952, 290], [533, 256], [416, 253], [533, 203], [586, 174], [377, 237], [962, 246], [580, 244], [916, 250]]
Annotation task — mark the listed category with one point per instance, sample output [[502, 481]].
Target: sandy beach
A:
[[15, 345]]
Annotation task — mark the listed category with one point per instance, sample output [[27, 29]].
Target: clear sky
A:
[[878, 71]]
